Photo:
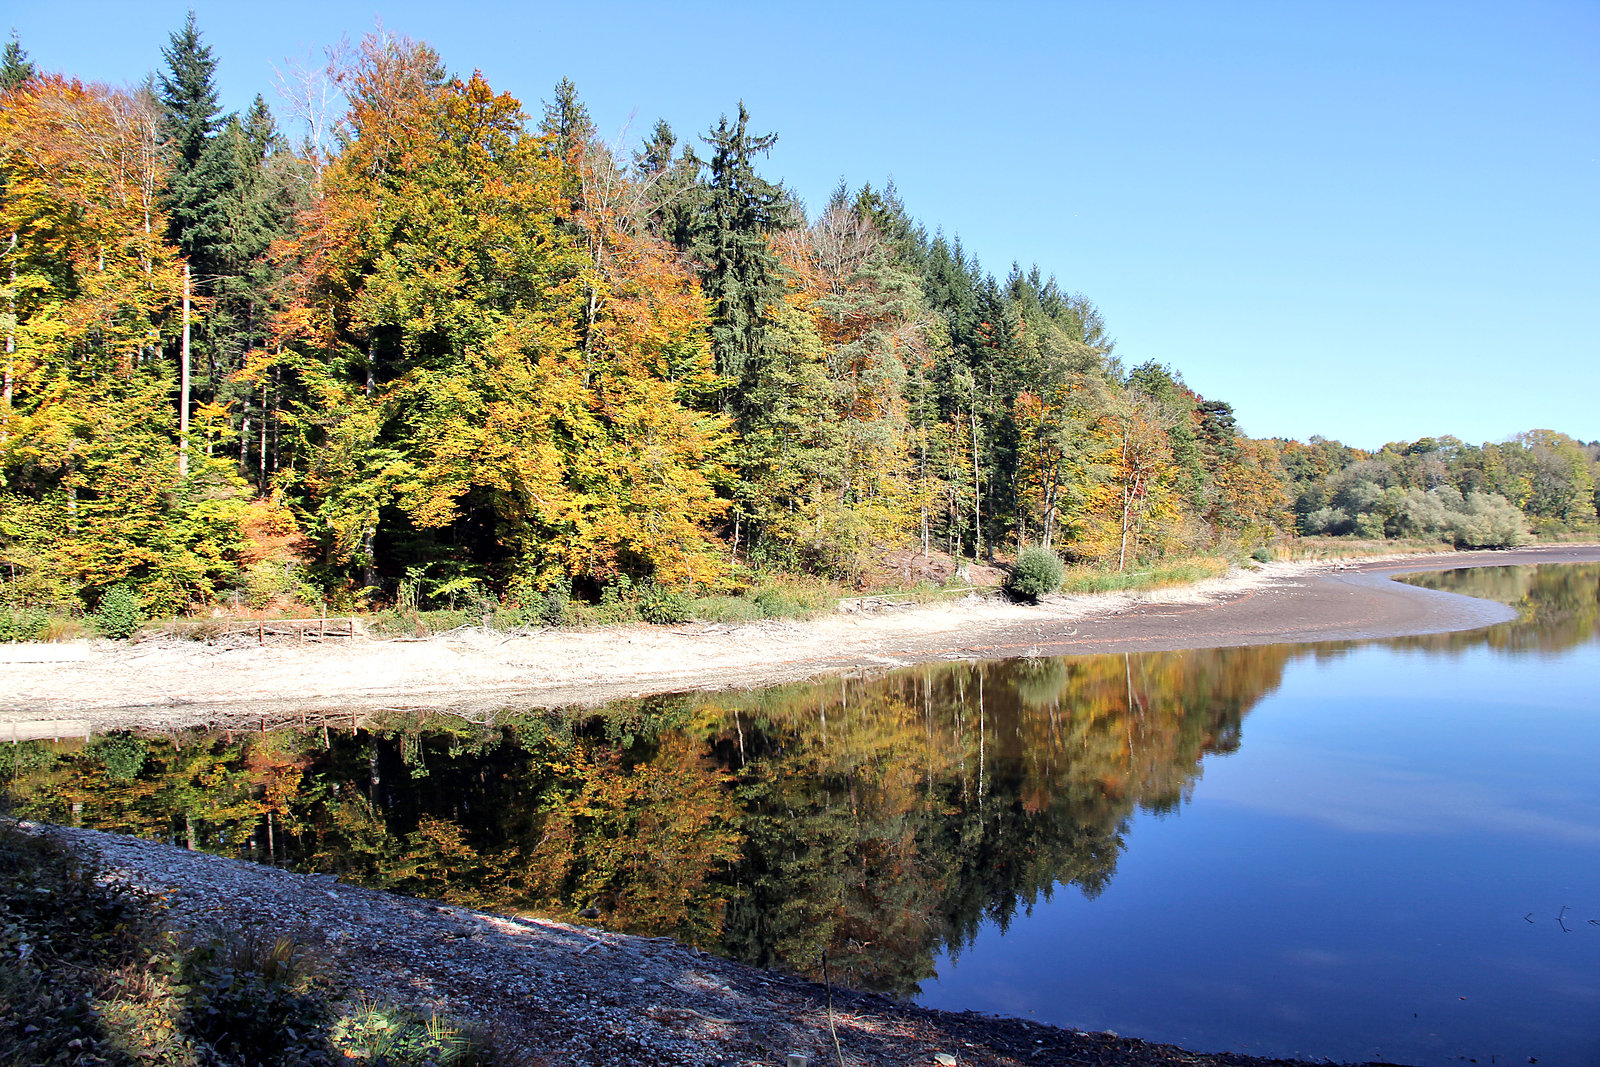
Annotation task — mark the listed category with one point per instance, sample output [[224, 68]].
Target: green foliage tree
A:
[[741, 275]]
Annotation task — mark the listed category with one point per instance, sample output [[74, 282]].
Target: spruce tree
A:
[[653, 159], [191, 114], [674, 188], [15, 66], [567, 120], [741, 276]]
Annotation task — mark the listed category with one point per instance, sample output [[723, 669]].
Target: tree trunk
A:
[[244, 437], [262, 455], [183, 385], [369, 558], [977, 499], [11, 326]]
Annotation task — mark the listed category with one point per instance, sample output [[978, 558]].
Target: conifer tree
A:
[[739, 272], [672, 186], [15, 66], [567, 120], [188, 97]]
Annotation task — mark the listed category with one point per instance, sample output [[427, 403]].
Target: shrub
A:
[[617, 601], [265, 581], [255, 999], [1038, 571], [23, 624], [665, 607], [1262, 554], [120, 615], [553, 608], [121, 754]]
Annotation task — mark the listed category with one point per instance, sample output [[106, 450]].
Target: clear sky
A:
[[1370, 221]]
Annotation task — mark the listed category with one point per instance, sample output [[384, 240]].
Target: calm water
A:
[[1381, 851]]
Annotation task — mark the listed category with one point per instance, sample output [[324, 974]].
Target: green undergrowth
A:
[[89, 976], [1331, 548], [1157, 576], [623, 603]]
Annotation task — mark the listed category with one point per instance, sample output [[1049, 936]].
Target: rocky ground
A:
[[556, 994]]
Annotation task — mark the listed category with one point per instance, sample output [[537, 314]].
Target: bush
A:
[[23, 624], [120, 615], [665, 607], [1262, 555], [121, 754], [553, 608], [255, 1000], [265, 582], [1038, 571]]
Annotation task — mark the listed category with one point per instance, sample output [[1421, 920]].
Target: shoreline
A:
[[556, 993], [172, 683]]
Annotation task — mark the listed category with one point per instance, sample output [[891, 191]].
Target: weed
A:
[[400, 1037]]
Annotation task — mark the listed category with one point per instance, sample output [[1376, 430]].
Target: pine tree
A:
[[15, 66]]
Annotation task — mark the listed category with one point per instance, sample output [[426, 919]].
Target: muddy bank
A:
[[173, 683], [554, 993]]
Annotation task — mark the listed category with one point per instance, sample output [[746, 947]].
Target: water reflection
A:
[[881, 821], [1558, 606]]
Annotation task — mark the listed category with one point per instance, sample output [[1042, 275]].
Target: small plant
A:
[[1262, 554], [256, 999], [664, 607], [120, 615], [553, 608], [403, 1038], [1038, 571]]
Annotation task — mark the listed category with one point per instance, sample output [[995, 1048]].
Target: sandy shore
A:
[[170, 682]]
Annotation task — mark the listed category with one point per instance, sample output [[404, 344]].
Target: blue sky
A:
[[1369, 221]]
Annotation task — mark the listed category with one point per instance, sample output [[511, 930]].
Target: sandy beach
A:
[[167, 682]]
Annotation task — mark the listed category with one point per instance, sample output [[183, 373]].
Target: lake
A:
[[1387, 850]]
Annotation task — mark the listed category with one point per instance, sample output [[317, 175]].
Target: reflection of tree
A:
[[891, 818], [1558, 606], [879, 821]]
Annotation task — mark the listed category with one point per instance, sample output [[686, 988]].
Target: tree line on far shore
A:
[[433, 349]]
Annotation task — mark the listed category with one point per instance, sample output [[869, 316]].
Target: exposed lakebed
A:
[[1396, 856]]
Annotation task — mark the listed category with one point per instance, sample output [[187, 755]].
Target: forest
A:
[[430, 348]]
